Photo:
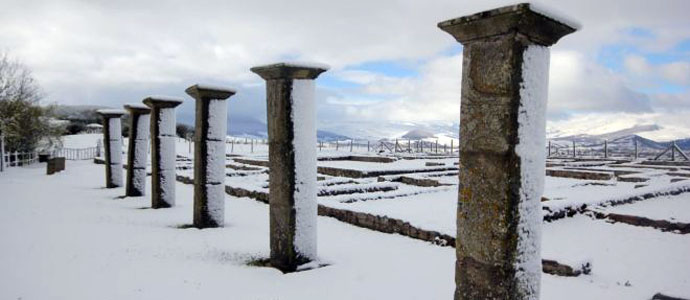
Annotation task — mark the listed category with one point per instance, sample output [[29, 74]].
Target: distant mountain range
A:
[[618, 140], [444, 132]]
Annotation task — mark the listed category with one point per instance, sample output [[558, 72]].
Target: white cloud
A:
[[112, 52], [677, 72], [579, 85]]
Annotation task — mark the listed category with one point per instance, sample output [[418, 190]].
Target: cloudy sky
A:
[[629, 64]]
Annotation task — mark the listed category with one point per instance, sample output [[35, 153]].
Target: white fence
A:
[[18, 159], [77, 153]]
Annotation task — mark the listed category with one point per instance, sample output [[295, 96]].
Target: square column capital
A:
[[525, 18]]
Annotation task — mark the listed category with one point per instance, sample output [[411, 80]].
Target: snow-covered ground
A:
[[670, 208], [73, 239], [66, 237]]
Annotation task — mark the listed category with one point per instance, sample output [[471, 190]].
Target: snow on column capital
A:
[[162, 149], [112, 137], [502, 156], [211, 118], [290, 106], [139, 116]]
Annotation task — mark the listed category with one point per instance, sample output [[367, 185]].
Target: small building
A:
[[93, 128]]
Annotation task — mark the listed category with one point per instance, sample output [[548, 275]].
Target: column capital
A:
[[137, 109], [162, 101], [209, 92], [525, 18], [111, 113], [285, 70]]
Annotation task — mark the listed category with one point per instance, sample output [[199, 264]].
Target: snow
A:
[[303, 116], [555, 15], [111, 111], [136, 105], [530, 149], [167, 121], [76, 242], [217, 119], [81, 140], [115, 142], [670, 208], [298, 64], [651, 261], [167, 153], [141, 152], [215, 88], [166, 98], [398, 165], [215, 172]]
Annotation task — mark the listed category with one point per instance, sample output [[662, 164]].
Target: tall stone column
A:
[[209, 154], [291, 118], [137, 150], [502, 125], [162, 150], [112, 138]]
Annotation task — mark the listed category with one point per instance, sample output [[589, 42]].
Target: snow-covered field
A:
[[66, 237]]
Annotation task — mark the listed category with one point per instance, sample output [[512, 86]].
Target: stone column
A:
[[139, 126], [502, 125], [112, 138], [291, 118], [162, 150], [209, 154]]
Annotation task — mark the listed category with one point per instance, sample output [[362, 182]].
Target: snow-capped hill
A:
[[418, 134]]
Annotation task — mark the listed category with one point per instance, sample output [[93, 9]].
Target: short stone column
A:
[[112, 138], [502, 124], [137, 149], [290, 106], [209, 154], [163, 155]]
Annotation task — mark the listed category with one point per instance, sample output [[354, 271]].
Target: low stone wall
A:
[[663, 225], [390, 225], [579, 174], [363, 174], [555, 268], [376, 159], [423, 182], [632, 179], [386, 225], [666, 163], [54, 165], [254, 162]]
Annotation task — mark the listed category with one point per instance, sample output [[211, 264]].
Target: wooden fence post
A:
[[606, 149], [574, 155]]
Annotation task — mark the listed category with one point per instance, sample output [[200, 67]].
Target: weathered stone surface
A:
[[287, 250], [139, 127], [209, 154], [490, 185], [163, 135], [54, 165], [522, 18], [112, 139]]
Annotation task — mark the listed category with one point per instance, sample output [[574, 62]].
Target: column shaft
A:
[[163, 154], [112, 138], [209, 154], [502, 155], [292, 155], [137, 155]]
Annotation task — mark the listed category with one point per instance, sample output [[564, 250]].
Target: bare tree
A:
[[24, 123]]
